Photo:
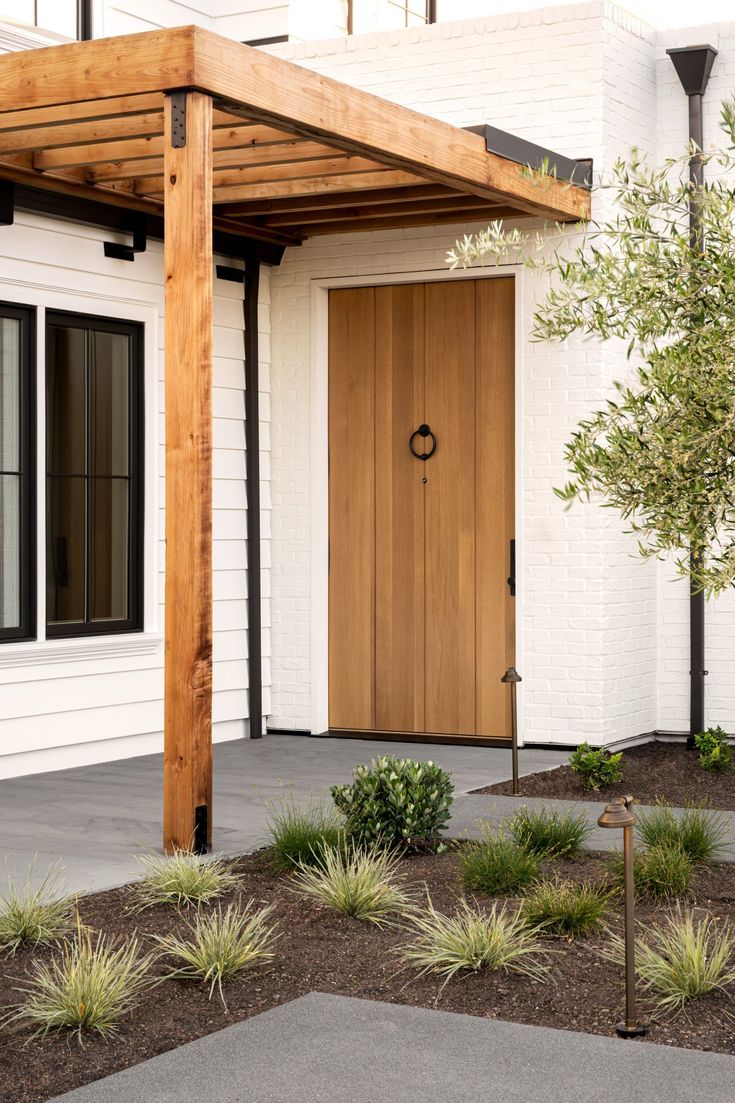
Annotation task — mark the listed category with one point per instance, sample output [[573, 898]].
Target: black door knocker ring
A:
[[422, 431]]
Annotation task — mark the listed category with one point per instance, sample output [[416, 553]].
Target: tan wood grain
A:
[[441, 204], [351, 508], [495, 500], [368, 223], [62, 115], [334, 201], [358, 181], [399, 509], [450, 508], [188, 390], [317, 169]]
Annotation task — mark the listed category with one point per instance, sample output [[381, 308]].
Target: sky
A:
[[663, 14]]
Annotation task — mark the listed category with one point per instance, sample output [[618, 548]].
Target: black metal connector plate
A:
[[178, 119], [118, 251]]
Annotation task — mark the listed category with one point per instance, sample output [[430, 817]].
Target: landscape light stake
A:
[[619, 814], [512, 678]]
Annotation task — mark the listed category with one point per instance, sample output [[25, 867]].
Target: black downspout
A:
[[693, 66], [252, 475]]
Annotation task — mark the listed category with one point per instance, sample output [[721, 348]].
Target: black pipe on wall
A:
[[693, 66]]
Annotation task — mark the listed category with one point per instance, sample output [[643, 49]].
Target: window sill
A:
[[63, 651]]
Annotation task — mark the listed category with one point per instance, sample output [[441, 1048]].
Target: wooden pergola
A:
[[214, 137]]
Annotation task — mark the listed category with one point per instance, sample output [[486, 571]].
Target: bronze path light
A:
[[619, 814], [512, 678]]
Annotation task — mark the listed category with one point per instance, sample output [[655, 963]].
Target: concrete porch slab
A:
[[334, 1049]]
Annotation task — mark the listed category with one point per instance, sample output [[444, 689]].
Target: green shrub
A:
[[299, 836], [549, 832], [497, 866], [715, 753], [183, 879], [596, 768], [473, 939], [358, 882], [659, 871], [565, 907], [35, 916], [396, 802], [89, 986], [699, 832], [681, 961], [221, 944]]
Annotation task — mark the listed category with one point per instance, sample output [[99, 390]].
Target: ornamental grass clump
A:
[[549, 832], [35, 916], [474, 939], [90, 986], [699, 832], [682, 960], [359, 882], [566, 908], [299, 836], [497, 866], [662, 871], [396, 802], [221, 944], [183, 879]]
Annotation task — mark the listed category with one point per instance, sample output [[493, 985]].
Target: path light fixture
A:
[[512, 678], [619, 814]]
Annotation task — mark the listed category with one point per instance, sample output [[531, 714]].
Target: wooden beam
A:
[[187, 783], [358, 181], [234, 178], [290, 204], [47, 138], [86, 111], [130, 148], [277, 92], [283, 152], [452, 204], [393, 222]]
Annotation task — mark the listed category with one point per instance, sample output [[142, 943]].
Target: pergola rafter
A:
[[214, 136]]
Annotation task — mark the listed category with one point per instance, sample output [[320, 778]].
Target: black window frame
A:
[[84, 19], [26, 629], [430, 18], [136, 452]]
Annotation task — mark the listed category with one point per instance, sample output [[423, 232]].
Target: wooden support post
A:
[[187, 784]]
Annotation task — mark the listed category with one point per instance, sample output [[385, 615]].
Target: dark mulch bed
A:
[[651, 772], [325, 952]]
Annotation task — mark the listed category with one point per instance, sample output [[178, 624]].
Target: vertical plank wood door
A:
[[421, 620]]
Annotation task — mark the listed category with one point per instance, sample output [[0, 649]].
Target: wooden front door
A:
[[421, 615]]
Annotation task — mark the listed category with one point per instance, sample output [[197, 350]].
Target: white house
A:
[[384, 577]]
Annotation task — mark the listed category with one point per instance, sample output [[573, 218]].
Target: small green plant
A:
[[183, 879], [497, 866], [596, 767], [221, 944], [358, 882], [549, 833], [396, 802], [682, 960], [35, 916], [299, 836], [91, 985], [660, 871], [474, 939], [566, 907], [699, 832], [715, 753]]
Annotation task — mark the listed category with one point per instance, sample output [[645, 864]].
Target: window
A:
[[16, 474], [409, 13], [94, 428], [71, 18], [380, 15]]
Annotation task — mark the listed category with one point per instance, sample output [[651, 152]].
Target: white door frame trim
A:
[[319, 474]]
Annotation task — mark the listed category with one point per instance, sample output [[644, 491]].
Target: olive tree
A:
[[661, 450]]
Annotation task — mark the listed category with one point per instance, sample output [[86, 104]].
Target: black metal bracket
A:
[[232, 275], [7, 202], [178, 119], [139, 227], [535, 157], [512, 575], [201, 829]]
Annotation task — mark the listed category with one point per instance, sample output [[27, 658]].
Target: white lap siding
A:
[[58, 710]]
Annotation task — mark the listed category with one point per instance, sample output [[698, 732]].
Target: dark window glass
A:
[[94, 519], [16, 474]]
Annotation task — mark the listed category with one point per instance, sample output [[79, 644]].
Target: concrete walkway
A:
[[334, 1049], [96, 819]]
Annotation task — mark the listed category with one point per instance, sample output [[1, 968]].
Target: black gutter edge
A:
[[513, 148], [693, 66], [97, 213], [269, 40]]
